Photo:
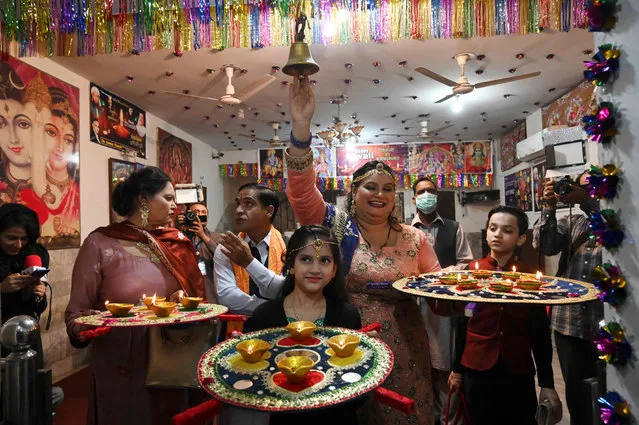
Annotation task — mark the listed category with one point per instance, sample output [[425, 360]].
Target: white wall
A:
[[625, 154], [94, 208]]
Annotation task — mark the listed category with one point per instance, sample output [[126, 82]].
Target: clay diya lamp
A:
[[466, 284], [482, 274], [252, 350], [450, 279], [529, 284], [191, 303], [295, 368], [502, 286], [510, 275], [301, 330], [163, 309], [344, 345], [148, 301], [119, 309]]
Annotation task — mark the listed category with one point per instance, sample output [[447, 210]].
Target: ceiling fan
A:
[[423, 133], [275, 141], [230, 97], [462, 86]]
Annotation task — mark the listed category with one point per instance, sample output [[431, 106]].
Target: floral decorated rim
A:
[[556, 291], [381, 363], [141, 316]]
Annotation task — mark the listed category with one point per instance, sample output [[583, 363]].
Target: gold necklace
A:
[[297, 315], [61, 185]]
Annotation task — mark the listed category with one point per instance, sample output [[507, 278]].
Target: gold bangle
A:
[[299, 164]]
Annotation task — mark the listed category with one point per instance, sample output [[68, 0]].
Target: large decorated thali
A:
[[261, 386], [142, 316], [495, 288]]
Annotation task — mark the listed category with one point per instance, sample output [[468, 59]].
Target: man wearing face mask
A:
[[204, 242], [453, 251]]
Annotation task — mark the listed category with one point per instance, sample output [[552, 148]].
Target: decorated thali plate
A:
[[142, 316], [261, 386], [553, 290]]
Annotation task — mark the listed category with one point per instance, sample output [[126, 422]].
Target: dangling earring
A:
[[353, 210], [144, 214]]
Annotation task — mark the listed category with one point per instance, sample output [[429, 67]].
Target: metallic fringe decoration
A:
[[86, 27]]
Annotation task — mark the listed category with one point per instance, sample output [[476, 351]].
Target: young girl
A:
[[313, 291]]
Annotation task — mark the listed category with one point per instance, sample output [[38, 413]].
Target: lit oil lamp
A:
[[118, 309], [514, 275], [481, 274], [530, 283]]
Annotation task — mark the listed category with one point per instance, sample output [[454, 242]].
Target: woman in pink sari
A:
[[377, 250], [119, 263]]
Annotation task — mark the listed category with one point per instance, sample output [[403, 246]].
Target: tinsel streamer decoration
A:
[[601, 126], [606, 229], [602, 15], [612, 345], [611, 284], [603, 65], [613, 410], [603, 181]]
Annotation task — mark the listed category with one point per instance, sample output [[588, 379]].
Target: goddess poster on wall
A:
[[431, 159], [324, 161], [478, 157], [175, 157], [39, 159]]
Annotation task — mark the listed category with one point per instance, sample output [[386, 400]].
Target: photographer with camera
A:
[[574, 325], [193, 223]]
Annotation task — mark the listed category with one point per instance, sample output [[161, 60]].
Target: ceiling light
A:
[[456, 105]]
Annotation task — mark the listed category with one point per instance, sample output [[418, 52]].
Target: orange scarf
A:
[[276, 250]]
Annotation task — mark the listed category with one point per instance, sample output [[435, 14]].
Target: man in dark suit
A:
[[453, 251]]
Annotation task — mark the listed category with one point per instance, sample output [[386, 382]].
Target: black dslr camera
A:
[[562, 186], [190, 217]]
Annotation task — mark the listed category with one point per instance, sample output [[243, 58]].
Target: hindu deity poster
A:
[[324, 160], [478, 157], [518, 189], [433, 159], [508, 146], [116, 123], [175, 157], [570, 108], [271, 163], [39, 159], [350, 158]]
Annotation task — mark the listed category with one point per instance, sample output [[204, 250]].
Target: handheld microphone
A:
[[33, 267]]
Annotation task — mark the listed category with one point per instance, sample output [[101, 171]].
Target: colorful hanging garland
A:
[[603, 181], [611, 284], [602, 15], [613, 410], [601, 126], [606, 229], [238, 170], [612, 345], [70, 28], [603, 65]]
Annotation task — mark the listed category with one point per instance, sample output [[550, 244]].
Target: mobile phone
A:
[[38, 272]]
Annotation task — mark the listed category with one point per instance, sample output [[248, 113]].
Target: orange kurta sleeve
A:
[[305, 198]]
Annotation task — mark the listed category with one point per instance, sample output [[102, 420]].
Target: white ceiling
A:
[[561, 73]]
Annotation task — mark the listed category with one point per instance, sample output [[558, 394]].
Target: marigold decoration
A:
[[611, 284], [602, 15], [603, 181], [601, 126], [603, 65], [613, 410], [612, 345], [606, 229]]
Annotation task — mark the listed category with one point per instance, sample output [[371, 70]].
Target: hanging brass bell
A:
[[300, 62]]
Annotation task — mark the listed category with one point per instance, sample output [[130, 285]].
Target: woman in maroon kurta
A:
[[119, 263]]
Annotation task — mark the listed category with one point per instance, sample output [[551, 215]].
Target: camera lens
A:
[[562, 187], [190, 217]]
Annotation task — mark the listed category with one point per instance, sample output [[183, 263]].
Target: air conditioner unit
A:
[[532, 147], [479, 197]]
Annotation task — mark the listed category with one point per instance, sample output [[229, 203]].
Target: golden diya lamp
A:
[[450, 279], [502, 285], [190, 303], [118, 309], [344, 345], [467, 284], [163, 309], [481, 274], [529, 283], [514, 275], [149, 301], [301, 330], [295, 368], [252, 350]]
